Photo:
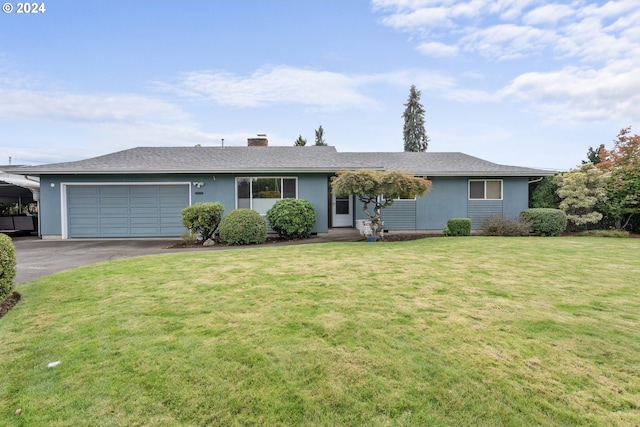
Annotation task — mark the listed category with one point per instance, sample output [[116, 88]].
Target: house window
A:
[[260, 194], [485, 189], [398, 199]]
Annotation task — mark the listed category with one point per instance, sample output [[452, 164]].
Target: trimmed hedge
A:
[[203, 218], [545, 221], [458, 227], [243, 227], [292, 218], [7, 266]]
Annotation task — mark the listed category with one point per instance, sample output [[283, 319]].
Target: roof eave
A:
[[486, 173], [36, 172]]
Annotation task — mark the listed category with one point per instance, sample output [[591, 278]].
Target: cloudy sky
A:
[[519, 82]]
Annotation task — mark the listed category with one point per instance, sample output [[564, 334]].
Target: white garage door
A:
[[126, 210]]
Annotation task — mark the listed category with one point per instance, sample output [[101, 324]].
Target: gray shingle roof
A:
[[276, 160], [442, 164]]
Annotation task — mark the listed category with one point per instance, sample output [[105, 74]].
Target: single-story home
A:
[[141, 192]]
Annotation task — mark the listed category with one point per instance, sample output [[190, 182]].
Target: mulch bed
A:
[[8, 303], [399, 237]]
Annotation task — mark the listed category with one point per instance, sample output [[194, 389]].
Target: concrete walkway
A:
[[37, 258]]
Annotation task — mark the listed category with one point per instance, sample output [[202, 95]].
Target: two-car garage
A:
[[114, 210]]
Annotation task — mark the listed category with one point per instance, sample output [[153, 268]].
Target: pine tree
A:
[[320, 136], [300, 142], [415, 136]]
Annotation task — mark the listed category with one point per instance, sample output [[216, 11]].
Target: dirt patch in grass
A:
[[405, 237], [8, 303]]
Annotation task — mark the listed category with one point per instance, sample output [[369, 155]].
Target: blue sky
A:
[[518, 82]]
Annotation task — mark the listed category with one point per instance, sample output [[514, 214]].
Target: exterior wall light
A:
[[199, 184]]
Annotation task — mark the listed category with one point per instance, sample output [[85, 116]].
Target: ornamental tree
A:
[[580, 191], [622, 163], [380, 189]]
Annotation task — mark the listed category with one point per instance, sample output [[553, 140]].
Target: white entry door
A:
[[342, 211]]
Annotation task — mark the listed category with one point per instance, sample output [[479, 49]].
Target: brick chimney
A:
[[259, 141]]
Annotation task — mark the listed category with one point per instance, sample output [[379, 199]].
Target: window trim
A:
[[399, 199], [251, 178], [500, 180]]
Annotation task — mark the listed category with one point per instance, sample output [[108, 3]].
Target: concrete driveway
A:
[[37, 258]]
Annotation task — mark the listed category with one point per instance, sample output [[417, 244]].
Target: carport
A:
[[18, 190]]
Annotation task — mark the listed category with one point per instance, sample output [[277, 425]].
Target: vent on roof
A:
[[260, 141]]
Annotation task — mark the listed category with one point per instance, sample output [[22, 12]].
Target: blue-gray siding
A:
[[480, 209], [54, 213], [401, 215], [447, 199]]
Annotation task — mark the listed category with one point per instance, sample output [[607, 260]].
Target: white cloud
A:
[[408, 15], [426, 17], [507, 41], [581, 94], [548, 14], [282, 85], [22, 104], [509, 29], [572, 60], [278, 85], [438, 49]]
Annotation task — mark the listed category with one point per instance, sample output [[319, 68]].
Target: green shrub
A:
[[7, 266], [203, 218], [292, 218], [243, 227], [545, 221], [459, 227], [605, 233], [544, 194], [188, 238], [504, 226]]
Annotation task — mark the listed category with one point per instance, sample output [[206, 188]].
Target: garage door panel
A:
[[144, 231], [113, 231], [146, 220], [114, 220], [87, 221], [84, 232], [113, 190], [83, 210], [143, 201], [124, 201], [117, 210], [152, 210], [84, 191], [83, 202], [126, 210]]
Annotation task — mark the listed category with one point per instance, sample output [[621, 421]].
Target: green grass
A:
[[442, 331]]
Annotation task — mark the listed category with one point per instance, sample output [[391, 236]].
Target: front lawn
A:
[[440, 331]]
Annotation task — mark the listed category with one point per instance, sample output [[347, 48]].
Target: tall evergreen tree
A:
[[593, 156], [320, 136], [300, 142], [415, 136]]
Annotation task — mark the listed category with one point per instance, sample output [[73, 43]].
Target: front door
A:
[[342, 211]]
